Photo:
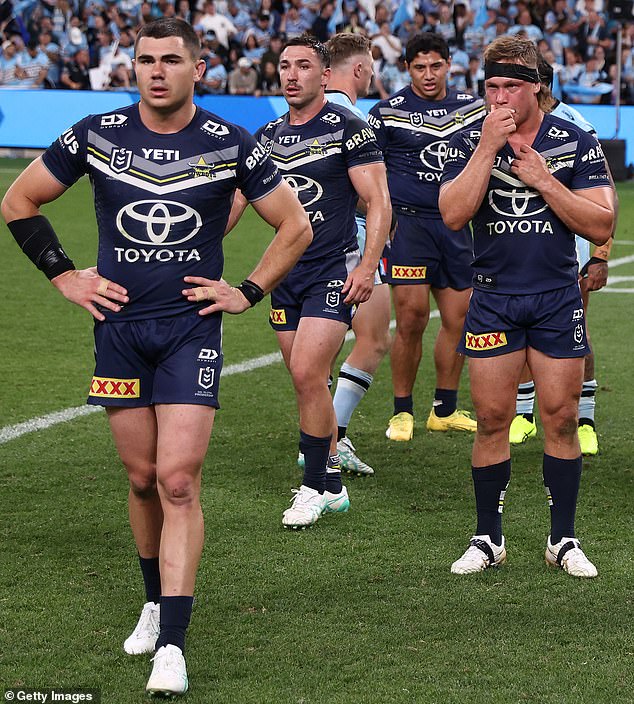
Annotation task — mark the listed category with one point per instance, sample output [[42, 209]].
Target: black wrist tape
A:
[[38, 241], [251, 291]]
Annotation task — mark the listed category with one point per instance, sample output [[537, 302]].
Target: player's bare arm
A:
[[21, 209], [589, 212], [282, 210], [461, 198], [238, 206], [370, 182]]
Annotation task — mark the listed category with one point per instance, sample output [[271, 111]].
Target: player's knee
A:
[[179, 488], [492, 421], [561, 423], [411, 322], [307, 379], [143, 482]]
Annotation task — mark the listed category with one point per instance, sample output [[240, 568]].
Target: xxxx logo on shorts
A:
[[486, 341], [114, 388], [278, 316], [409, 272]]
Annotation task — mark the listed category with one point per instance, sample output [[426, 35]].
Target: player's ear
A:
[[199, 70]]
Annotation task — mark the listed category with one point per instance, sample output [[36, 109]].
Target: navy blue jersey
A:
[[413, 134], [162, 200], [520, 245], [314, 159]]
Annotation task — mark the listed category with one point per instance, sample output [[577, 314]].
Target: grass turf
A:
[[361, 608]]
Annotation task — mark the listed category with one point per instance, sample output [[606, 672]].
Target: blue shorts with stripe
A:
[[161, 360], [425, 251], [552, 322], [313, 290]]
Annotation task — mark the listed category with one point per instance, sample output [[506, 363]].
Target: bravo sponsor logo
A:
[[104, 387], [154, 224], [365, 135], [485, 341], [409, 272], [278, 316]]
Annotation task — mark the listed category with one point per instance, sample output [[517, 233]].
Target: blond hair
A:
[[344, 46]]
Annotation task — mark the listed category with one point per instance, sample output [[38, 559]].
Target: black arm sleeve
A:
[[38, 241]]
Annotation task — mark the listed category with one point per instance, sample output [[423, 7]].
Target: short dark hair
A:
[[424, 43], [171, 27], [345, 45], [308, 40]]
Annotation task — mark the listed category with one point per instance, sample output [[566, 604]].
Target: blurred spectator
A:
[[75, 73], [119, 75], [446, 27], [262, 29], [592, 32], [243, 79], [52, 51], [9, 70], [215, 22], [252, 50], [320, 26], [33, 64], [297, 20], [475, 77], [526, 26], [240, 19], [269, 81], [272, 54], [390, 45], [394, 77], [215, 79]]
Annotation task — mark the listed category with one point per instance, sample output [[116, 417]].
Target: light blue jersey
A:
[[565, 112]]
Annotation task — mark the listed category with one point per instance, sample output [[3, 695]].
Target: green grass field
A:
[[361, 608]]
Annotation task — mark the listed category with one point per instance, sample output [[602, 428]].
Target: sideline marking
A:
[[12, 432]]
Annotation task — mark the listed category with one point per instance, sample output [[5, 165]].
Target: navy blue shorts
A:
[[425, 251], [552, 322], [313, 290], [163, 360]]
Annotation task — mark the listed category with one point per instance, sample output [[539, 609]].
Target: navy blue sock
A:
[[490, 484], [445, 402], [151, 578], [403, 404], [175, 614], [561, 479], [315, 452]]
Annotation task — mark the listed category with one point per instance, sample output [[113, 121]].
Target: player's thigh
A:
[[372, 319], [134, 431], [557, 382], [184, 431], [316, 344], [285, 339], [493, 383], [411, 302], [452, 305]]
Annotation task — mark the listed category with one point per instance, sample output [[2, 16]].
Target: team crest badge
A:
[[120, 160], [417, 119], [458, 119], [202, 169]]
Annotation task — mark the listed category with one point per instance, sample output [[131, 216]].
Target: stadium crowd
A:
[[89, 44]]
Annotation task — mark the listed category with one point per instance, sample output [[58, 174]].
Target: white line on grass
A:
[[12, 432]]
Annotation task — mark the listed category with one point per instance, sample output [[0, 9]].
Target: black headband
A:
[[519, 71]]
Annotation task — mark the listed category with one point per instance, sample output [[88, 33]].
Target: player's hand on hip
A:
[[87, 289], [530, 167], [224, 298], [359, 286], [597, 276], [497, 127]]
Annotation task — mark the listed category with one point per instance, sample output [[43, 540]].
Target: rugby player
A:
[[351, 70], [528, 181], [413, 127], [331, 158], [593, 271], [163, 173]]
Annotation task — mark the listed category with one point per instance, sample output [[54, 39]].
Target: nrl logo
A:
[[416, 119], [201, 169], [120, 160]]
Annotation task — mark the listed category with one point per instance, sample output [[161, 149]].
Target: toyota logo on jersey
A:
[[158, 222], [307, 190]]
